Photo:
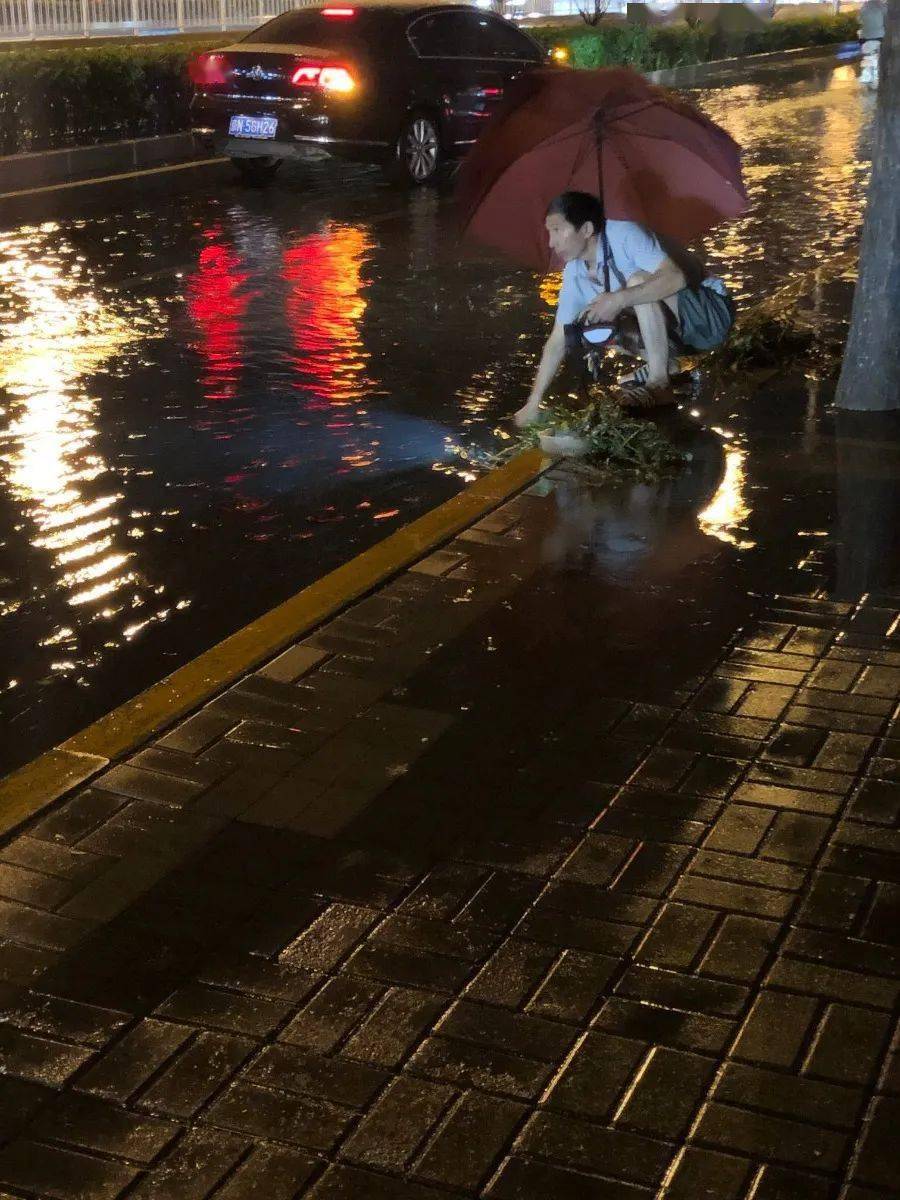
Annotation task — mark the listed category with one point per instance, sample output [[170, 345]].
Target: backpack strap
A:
[[609, 263]]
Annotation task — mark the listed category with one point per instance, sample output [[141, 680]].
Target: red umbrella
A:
[[653, 157]]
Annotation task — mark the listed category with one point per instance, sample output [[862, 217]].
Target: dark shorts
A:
[[704, 320]]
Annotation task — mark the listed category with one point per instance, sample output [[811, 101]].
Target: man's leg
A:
[[654, 331]]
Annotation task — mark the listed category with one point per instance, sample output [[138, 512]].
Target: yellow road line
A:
[[26, 791], [79, 183]]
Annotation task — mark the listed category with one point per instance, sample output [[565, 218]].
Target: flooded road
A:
[[208, 399]]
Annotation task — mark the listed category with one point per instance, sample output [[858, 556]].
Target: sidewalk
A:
[[565, 866]]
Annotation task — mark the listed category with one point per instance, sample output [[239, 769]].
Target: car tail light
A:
[[207, 70], [339, 14], [560, 54], [327, 78]]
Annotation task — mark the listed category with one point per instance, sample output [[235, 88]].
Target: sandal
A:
[[641, 374]]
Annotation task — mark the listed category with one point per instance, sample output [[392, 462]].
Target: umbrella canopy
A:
[[653, 157]]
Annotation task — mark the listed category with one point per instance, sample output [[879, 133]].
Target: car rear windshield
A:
[[314, 29]]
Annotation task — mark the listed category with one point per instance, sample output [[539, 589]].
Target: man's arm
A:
[[551, 360], [665, 281]]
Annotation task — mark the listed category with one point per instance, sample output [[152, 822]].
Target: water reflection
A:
[[65, 497]]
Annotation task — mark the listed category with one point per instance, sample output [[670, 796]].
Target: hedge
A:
[[677, 45], [79, 96], [75, 97]]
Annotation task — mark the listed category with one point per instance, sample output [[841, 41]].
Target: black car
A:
[[405, 86]]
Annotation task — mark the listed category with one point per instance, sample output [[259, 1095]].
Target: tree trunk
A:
[[870, 377]]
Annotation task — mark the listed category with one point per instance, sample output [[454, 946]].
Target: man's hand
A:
[[603, 310]]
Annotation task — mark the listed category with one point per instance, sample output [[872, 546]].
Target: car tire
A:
[[417, 157], [258, 171]]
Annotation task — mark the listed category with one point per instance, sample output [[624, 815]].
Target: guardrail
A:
[[33, 20]]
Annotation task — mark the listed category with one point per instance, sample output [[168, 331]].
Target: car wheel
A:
[[257, 170], [417, 156]]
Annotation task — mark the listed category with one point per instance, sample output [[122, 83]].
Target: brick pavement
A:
[[493, 887]]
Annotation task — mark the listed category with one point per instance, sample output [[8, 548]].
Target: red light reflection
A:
[[217, 303]]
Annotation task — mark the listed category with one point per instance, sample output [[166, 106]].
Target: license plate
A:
[[253, 127]]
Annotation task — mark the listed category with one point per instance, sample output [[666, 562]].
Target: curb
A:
[[25, 172], [30, 789], [28, 172], [698, 72]]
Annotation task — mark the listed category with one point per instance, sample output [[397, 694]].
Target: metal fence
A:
[[30, 20]]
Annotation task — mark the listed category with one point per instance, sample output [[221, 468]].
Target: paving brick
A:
[[259, 977], [708, 1175], [270, 1173], [796, 838], [330, 937], [711, 776], [128, 1064], [834, 719], [738, 868], [501, 902], [232, 1012], [290, 1069], [883, 921], [653, 1023], [733, 897], [53, 1016], [677, 936], [351, 1183], [91, 1124], [764, 700], [772, 1138], [396, 1026], [877, 801], [652, 869], [24, 964], [596, 1075], [511, 973], [584, 1146], [669, 1090], [434, 937], [833, 901], [397, 1125], [663, 768], [38, 1059], [530, 1179], [567, 931], [573, 986], [76, 817], [877, 1162], [777, 1029], [843, 752], [195, 1075], [740, 949], [50, 1171], [470, 1141], [42, 891], [785, 775], [19, 1101], [258, 1112], [835, 676], [138, 784], [795, 744], [63, 862], [740, 829], [833, 984], [801, 1099], [199, 1161], [514, 1033], [879, 681], [197, 732], [769, 796], [849, 1044], [780, 1183], [45, 930], [332, 1013], [598, 860], [445, 891], [720, 695], [467, 1065], [843, 702], [842, 951], [604, 904], [410, 967]]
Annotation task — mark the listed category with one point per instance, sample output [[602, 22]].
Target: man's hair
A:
[[578, 208]]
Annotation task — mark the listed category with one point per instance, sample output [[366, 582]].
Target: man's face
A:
[[567, 242]]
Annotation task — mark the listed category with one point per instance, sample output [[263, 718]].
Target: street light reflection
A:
[[728, 511]]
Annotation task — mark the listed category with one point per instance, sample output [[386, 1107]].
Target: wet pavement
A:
[[210, 396], [564, 865]]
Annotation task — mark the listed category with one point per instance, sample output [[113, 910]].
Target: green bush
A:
[[677, 45], [74, 97], [86, 94]]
